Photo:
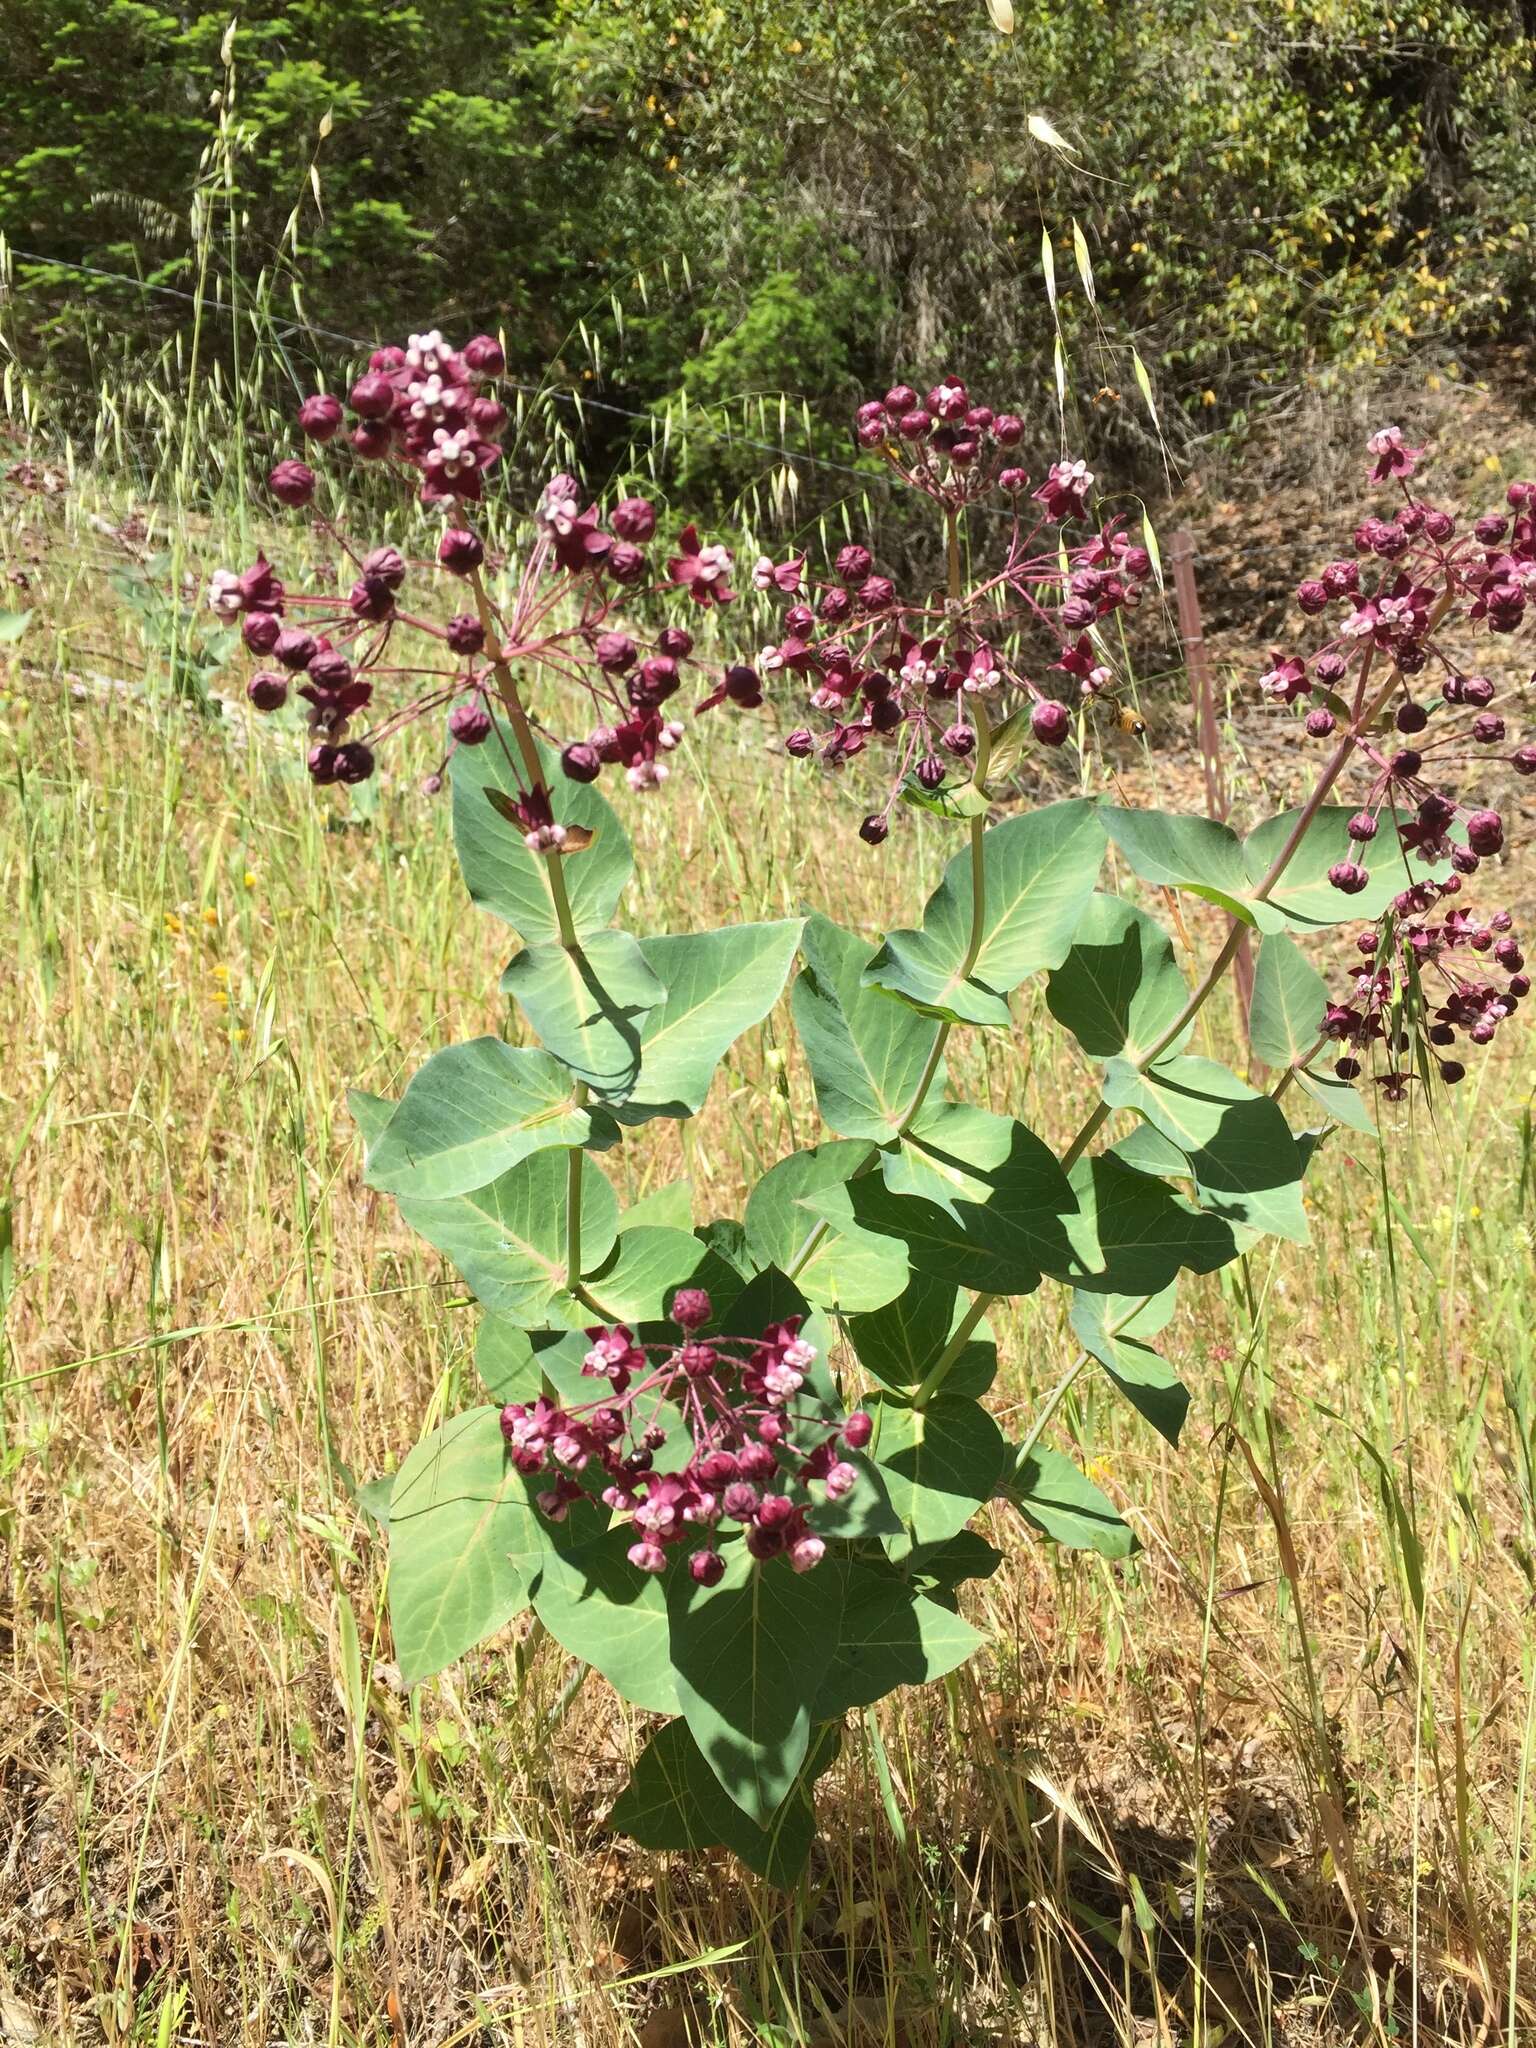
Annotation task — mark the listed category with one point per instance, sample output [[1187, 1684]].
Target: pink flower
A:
[[1394, 458]]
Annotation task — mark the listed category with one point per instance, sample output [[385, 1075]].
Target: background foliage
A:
[[767, 197]]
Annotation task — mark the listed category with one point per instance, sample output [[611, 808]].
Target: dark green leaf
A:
[[849, 1268], [648, 1265], [891, 1635], [601, 1608], [674, 1801], [1039, 870], [1238, 1143], [867, 1054], [940, 1462], [1113, 1328], [1141, 1230], [1064, 1504], [901, 1342], [750, 1655], [1119, 989]]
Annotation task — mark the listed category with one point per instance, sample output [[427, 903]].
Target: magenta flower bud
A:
[[885, 714], [647, 1556], [959, 740], [1490, 529], [1320, 723], [739, 1501], [1345, 875], [484, 355], [656, 681], [775, 1510], [875, 829], [1329, 669], [1438, 526], [1362, 826], [261, 631], [691, 1308], [354, 762], [1339, 578], [870, 433], [322, 764], [1007, 429], [1509, 956], [625, 563], [899, 399], [876, 594], [470, 724], [1411, 717], [1050, 722], [916, 425], [872, 410], [963, 452], [465, 634], [1487, 728], [1312, 596], [267, 691], [370, 599], [294, 648], [431, 785], [580, 762], [1452, 1071], [292, 483], [948, 401], [1485, 832], [799, 620], [931, 771], [743, 686], [330, 669], [834, 605], [858, 1430], [614, 653], [372, 440], [1523, 760], [1520, 987], [1077, 613], [321, 417], [373, 396], [387, 565], [979, 417], [807, 1553], [1406, 764], [1464, 861], [675, 641], [1137, 563], [460, 552], [800, 743], [706, 1567], [1013, 480], [634, 519], [854, 563]]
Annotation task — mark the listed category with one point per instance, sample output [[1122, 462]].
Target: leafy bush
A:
[[732, 1466]]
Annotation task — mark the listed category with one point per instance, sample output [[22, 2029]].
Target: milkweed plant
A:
[[733, 1467]]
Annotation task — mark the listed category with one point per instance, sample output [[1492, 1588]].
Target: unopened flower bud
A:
[[470, 724], [1347, 876], [484, 354], [267, 691], [706, 1567], [460, 551], [465, 633], [625, 563], [292, 483], [800, 743], [1362, 826], [321, 416], [1320, 722], [691, 1308], [580, 762], [294, 648], [354, 762], [261, 631], [875, 829], [633, 519], [858, 1430], [1485, 832], [373, 396], [322, 764], [1050, 722]]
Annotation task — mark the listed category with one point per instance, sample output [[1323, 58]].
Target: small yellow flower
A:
[[172, 921], [220, 974], [250, 878]]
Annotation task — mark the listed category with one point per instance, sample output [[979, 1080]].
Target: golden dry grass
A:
[[1267, 1781]]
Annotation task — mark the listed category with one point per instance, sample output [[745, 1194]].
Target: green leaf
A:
[[850, 1268], [674, 1801], [940, 1569], [371, 1114], [1119, 989], [1064, 1504], [867, 1054], [1141, 1230], [465, 1541], [670, 1203], [12, 626], [509, 1239], [1338, 1098], [1289, 998], [588, 1003], [891, 1635], [902, 1341], [940, 1462], [750, 1655], [502, 876], [1178, 851], [1113, 1328], [995, 1214], [648, 1265], [1238, 1143], [1304, 898], [506, 1361], [1039, 871], [960, 800], [472, 1112], [599, 1607], [717, 985]]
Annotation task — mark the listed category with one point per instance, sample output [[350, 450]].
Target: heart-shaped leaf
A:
[[472, 1112], [501, 873], [1119, 989], [1113, 1329], [867, 1054], [717, 985], [891, 1635], [850, 1268], [1039, 871], [588, 1003], [940, 1462]]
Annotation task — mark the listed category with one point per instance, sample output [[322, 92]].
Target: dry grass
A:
[[1268, 1781]]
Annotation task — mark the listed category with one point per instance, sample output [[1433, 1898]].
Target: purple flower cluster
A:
[[878, 665], [1423, 985], [753, 1455], [570, 616], [1407, 600]]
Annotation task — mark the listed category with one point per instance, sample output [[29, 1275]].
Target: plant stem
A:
[[574, 1161], [527, 746]]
